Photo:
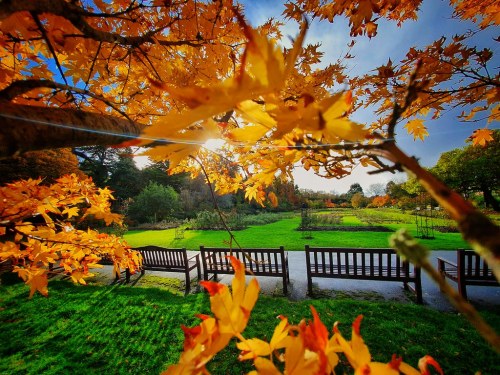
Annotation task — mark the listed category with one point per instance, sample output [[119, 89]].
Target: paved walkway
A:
[[483, 297]]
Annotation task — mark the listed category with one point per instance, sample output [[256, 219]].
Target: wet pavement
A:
[[480, 296]]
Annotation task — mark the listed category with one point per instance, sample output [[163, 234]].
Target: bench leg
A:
[[405, 285], [188, 283], [127, 275], [462, 289], [418, 285], [418, 292], [285, 289], [309, 286]]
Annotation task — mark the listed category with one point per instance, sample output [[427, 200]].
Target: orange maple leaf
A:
[[417, 128], [38, 282], [481, 137]]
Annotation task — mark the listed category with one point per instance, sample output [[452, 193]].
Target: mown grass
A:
[[133, 330], [285, 233]]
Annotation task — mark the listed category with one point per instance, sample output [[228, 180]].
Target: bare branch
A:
[[26, 128]]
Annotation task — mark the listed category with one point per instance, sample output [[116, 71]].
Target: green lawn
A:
[[131, 330], [284, 233]]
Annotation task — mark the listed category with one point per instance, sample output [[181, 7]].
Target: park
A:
[[156, 217]]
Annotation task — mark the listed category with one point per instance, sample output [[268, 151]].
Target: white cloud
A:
[[308, 180]]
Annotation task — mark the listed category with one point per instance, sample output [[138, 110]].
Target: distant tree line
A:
[[150, 194]]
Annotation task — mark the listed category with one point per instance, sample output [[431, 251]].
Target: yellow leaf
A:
[[417, 128], [253, 348], [78, 276], [481, 137], [38, 282], [9, 249], [494, 114], [358, 345], [263, 71], [296, 360], [366, 161], [280, 334], [264, 367], [232, 310], [71, 211], [248, 134], [254, 112]]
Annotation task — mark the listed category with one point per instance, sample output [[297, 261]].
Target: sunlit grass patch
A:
[[134, 330], [285, 233]]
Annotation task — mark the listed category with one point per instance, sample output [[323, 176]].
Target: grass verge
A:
[[135, 330], [284, 233]]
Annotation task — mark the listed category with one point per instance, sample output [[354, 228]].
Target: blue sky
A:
[[392, 42]]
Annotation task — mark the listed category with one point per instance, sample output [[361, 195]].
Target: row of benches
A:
[[343, 263]]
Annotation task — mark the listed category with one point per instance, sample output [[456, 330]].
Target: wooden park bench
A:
[[156, 258], [361, 264], [259, 262], [470, 269]]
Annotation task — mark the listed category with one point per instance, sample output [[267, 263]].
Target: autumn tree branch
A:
[[31, 128], [18, 88], [76, 15]]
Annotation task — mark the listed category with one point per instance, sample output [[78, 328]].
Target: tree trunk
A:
[[28, 128], [489, 199]]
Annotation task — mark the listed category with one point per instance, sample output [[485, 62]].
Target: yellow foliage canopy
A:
[[38, 235]]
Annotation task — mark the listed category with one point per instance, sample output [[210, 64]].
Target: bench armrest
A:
[[194, 256], [442, 262]]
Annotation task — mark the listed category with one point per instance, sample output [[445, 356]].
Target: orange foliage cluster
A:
[[362, 14], [306, 348], [273, 126], [380, 201], [196, 70], [445, 73], [37, 232], [110, 47]]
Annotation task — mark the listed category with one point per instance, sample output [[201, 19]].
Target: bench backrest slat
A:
[[398, 269], [363, 265], [156, 256], [473, 266], [357, 262], [372, 269], [263, 261]]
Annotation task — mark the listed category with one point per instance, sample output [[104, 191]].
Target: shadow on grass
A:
[[119, 329], [93, 329], [361, 295]]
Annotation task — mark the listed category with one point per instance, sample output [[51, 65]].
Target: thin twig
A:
[[232, 237]]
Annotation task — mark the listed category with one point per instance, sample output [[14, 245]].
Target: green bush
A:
[[265, 218], [210, 220], [154, 203]]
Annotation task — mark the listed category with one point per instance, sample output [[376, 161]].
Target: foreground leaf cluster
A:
[[38, 237], [306, 348]]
